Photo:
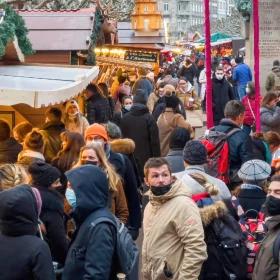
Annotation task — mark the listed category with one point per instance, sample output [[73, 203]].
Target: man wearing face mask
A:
[[173, 246], [267, 263], [222, 93]]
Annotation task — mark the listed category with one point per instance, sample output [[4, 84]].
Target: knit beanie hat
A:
[[34, 141], [195, 153], [70, 103], [179, 137], [171, 101], [96, 130], [254, 170], [43, 174]]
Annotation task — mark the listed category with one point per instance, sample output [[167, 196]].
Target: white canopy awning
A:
[[42, 85]]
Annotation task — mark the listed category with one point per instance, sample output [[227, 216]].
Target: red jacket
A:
[[249, 116]]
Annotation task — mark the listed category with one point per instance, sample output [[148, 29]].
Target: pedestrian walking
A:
[[272, 83]]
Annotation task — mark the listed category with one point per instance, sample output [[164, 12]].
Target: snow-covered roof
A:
[[45, 85]]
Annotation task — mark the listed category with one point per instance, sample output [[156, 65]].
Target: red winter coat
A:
[[249, 117]]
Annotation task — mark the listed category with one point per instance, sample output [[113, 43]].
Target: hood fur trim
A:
[[123, 146], [211, 212]]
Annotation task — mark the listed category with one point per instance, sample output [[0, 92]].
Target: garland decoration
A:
[[13, 25]]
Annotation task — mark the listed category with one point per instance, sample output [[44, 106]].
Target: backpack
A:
[[127, 252], [217, 148], [225, 248], [254, 230]]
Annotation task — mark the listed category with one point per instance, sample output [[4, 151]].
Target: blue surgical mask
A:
[[71, 197]]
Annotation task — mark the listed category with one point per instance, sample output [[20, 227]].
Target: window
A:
[[145, 9], [146, 24], [179, 6], [165, 7]]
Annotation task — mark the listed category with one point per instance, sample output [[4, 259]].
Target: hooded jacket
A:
[[91, 253], [52, 142], [141, 127], [273, 80], [173, 236], [265, 268], [9, 150], [23, 256], [270, 119]]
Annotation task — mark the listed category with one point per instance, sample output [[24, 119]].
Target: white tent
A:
[[42, 85]]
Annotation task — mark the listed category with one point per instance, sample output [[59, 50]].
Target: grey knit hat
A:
[[254, 170]]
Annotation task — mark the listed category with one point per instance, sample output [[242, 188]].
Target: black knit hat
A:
[[195, 153], [43, 174], [178, 138], [172, 101]]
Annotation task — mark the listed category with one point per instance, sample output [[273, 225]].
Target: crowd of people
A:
[[209, 207]]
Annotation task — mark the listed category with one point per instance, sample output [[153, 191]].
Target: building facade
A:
[[180, 15]]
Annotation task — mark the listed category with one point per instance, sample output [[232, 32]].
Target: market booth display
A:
[[26, 90]]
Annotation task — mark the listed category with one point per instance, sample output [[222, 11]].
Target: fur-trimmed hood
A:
[[211, 212], [123, 146]]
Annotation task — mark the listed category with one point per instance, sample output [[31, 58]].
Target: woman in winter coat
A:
[[46, 179], [23, 254], [92, 251], [68, 156], [249, 102], [270, 113], [126, 105], [74, 120], [94, 154], [186, 92], [168, 121]]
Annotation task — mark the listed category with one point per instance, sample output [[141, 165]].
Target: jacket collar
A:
[[273, 222], [175, 153], [195, 168]]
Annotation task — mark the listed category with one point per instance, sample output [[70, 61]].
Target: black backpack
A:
[[226, 249], [227, 253], [127, 252]]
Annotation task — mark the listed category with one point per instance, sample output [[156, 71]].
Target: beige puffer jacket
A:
[[173, 236]]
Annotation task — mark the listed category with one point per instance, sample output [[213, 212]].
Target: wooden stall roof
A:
[[126, 35], [59, 30], [38, 85]]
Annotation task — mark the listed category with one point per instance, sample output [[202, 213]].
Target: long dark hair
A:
[[69, 155]]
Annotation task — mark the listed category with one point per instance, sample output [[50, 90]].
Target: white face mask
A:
[[127, 107], [219, 76], [248, 90]]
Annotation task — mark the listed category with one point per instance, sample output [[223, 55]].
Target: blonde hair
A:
[[12, 175], [113, 177], [209, 188]]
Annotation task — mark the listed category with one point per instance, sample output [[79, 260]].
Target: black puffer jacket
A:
[[222, 94], [53, 218], [98, 109], [141, 127], [24, 256], [9, 150], [240, 145], [92, 250]]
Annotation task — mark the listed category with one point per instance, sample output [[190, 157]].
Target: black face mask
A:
[[160, 190], [272, 205], [89, 162]]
